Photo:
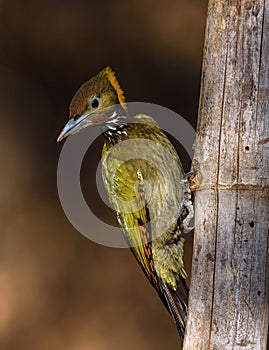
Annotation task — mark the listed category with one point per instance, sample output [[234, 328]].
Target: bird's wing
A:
[[128, 195], [137, 231], [130, 202]]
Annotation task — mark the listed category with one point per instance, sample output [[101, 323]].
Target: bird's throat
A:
[[116, 127]]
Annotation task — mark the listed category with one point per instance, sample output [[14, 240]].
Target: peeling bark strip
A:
[[228, 306]]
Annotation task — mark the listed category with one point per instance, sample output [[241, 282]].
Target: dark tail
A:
[[177, 304]]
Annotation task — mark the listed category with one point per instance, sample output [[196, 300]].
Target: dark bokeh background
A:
[[59, 290]]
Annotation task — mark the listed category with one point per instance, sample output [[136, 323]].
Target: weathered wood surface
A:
[[229, 288]]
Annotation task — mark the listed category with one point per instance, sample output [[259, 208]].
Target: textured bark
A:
[[228, 306]]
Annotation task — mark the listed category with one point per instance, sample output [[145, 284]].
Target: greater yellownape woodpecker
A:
[[142, 211]]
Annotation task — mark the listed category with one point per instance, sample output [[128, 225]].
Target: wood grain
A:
[[228, 306]]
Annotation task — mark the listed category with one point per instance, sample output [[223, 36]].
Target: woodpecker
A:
[[150, 194]]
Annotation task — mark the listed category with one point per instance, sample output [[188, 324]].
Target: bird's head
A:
[[97, 102]]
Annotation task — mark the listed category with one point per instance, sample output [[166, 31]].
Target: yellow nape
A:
[[114, 82]]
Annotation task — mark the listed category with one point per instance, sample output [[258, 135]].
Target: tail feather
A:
[[177, 304]]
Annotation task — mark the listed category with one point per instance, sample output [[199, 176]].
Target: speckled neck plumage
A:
[[114, 135], [116, 128]]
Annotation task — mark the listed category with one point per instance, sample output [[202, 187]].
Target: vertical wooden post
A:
[[228, 306]]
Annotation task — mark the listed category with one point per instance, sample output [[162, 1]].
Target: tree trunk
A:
[[228, 306]]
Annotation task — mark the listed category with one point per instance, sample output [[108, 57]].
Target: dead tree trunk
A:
[[229, 288]]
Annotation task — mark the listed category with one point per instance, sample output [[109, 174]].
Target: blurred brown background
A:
[[59, 290]]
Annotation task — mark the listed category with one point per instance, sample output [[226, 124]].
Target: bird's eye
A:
[[94, 102]]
